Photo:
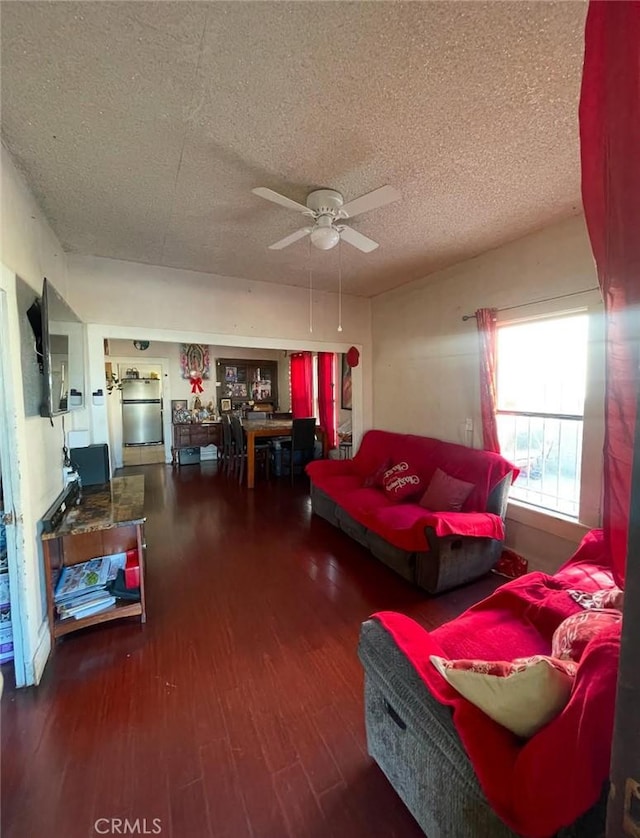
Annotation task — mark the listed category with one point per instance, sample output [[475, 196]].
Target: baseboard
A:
[[43, 650]]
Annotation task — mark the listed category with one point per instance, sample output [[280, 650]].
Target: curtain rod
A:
[[466, 317]]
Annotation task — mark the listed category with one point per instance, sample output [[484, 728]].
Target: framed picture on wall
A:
[[345, 392], [225, 404]]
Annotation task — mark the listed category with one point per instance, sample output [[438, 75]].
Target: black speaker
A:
[[91, 463]]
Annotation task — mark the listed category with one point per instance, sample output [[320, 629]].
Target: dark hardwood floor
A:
[[237, 710]]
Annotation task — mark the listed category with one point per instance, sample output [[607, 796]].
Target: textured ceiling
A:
[[142, 127]]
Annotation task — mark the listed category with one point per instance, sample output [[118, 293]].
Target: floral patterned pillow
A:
[[607, 598], [572, 635]]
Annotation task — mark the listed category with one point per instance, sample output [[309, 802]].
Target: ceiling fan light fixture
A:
[[326, 207], [324, 238]]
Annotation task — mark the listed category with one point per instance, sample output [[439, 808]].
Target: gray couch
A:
[[414, 741], [450, 561]]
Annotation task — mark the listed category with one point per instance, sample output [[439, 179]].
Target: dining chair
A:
[[261, 445], [239, 448], [261, 449], [227, 444], [302, 443]]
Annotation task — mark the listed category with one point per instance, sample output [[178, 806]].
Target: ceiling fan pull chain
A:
[[340, 285], [310, 288]]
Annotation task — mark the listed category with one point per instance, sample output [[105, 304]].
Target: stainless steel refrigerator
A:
[[141, 411]]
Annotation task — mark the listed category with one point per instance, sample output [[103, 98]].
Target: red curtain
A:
[[486, 320], [301, 385], [610, 151], [326, 395]]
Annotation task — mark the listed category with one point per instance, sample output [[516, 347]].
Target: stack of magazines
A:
[[81, 589]]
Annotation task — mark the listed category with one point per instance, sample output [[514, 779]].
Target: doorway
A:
[[132, 440], [11, 528]]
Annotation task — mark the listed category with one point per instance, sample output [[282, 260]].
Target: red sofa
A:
[[549, 784], [434, 550]]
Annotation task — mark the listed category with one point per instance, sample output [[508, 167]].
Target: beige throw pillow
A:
[[522, 695]]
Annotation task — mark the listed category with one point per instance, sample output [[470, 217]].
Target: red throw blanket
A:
[[542, 784]]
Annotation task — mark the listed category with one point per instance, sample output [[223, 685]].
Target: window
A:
[[541, 383]]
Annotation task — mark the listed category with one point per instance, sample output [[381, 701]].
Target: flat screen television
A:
[[62, 354]]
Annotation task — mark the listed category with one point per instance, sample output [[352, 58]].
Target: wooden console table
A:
[[110, 519], [194, 435]]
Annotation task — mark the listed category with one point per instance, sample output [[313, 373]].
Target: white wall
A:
[[129, 301], [179, 387], [31, 251], [164, 357], [425, 358]]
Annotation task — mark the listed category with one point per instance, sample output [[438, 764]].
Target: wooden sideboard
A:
[[110, 519], [194, 435]]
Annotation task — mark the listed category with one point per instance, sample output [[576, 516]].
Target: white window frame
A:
[[589, 513]]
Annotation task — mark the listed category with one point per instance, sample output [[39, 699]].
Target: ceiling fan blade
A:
[[363, 243], [287, 240], [270, 195], [372, 200]]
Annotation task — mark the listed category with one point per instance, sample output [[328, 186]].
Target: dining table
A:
[[270, 428]]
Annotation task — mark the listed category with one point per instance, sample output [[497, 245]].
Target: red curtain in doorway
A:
[[326, 395], [486, 320], [610, 152], [301, 385]]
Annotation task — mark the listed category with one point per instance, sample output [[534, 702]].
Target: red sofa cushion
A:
[[403, 524], [376, 478], [446, 493], [482, 468], [363, 503], [402, 482]]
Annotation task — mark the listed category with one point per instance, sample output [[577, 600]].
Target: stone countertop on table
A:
[[114, 504]]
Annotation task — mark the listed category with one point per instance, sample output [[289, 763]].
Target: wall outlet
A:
[[468, 424], [68, 475]]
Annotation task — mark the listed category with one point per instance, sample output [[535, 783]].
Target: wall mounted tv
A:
[[62, 354]]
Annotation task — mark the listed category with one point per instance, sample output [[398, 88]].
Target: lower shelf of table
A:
[[116, 612]]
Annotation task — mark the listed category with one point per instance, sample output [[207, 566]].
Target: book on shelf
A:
[[89, 599], [87, 609], [82, 578]]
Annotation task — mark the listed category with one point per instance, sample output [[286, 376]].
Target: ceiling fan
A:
[[327, 208]]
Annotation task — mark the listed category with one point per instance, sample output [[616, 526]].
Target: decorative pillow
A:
[[522, 696], [610, 598], [400, 482], [572, 635], [445, 493], [511, 564], [376, 477]]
